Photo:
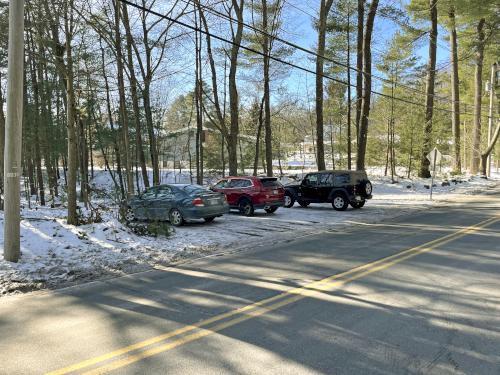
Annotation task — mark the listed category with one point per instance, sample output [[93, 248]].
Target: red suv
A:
[[250, 193]]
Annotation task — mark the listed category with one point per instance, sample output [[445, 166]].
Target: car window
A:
[[270, 182], [222, 184], [239, 183], [246, 183], [326, 179], [164, 191], [311, 180], [150, 193], [341, 179], [359, 177]]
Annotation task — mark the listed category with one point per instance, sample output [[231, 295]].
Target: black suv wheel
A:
[[289, 201], [339, 202]]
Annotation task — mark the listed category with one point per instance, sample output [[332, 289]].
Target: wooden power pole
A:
[[13, 131]]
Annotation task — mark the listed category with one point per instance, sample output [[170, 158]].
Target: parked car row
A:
[[180, 202]]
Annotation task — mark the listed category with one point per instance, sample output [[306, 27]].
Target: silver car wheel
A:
[[129, 215], [176, 217], [338, 202], [288, 200]]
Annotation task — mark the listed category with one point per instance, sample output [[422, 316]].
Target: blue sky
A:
[[299, 29]]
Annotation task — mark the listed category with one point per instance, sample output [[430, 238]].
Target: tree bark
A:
[[367, 85], [349, 99], [36, 126], [489, 149], [429, 100], [232, 140], [153, 147], [198, 99], [257, 141], [121, 93], [267, 99], [135, 99], [359, 64], [2, 141], [325, 6], [455, 92], [478, 87], [111, 124]]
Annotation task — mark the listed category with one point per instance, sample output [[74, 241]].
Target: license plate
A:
[[357, 197], [213, 202], [275, 192]]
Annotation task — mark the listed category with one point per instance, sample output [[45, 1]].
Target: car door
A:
[[309, 188], [343, 180], [222, 187], [234, 191], [325, 185], [144, 209], [163, 202]]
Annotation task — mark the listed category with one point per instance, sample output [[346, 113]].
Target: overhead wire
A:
[[274, 58]]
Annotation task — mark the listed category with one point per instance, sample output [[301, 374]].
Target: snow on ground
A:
[[55, 254]]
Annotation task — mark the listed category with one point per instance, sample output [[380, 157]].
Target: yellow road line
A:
[[256, 309]]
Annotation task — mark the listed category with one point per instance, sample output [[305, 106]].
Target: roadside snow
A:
[[55, 254]]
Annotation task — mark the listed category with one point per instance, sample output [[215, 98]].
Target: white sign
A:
[[434, 154]]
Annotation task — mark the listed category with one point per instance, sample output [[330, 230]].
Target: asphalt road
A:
[[415, 295]]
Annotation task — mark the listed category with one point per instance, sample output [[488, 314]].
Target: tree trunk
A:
[[135, 99], [267, 95], [2, 141], [82, 150], [72, 146], [367, 85], [198, 98], [111, 124], [455, 92], [320, 148], [478, 87], [153, 147], [65, 68], [489, 149], [36, 127], [232, 140], [349, 99], [257, 141], [359, 64], [429, 100], [121, 93]]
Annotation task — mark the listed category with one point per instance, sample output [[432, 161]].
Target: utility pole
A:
[[490, 114], [13, 131]]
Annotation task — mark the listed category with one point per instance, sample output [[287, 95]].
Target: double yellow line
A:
[[133, 353]]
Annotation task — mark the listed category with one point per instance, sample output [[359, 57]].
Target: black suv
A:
[[340, 188]]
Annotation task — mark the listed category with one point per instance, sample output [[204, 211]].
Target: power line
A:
[[271, 57], [442, 98]]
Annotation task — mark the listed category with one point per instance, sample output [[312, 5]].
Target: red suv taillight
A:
[[198, 202]]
